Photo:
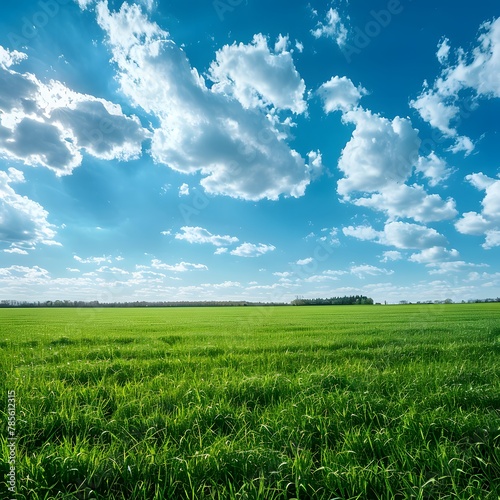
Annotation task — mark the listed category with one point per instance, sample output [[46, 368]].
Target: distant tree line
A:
[[334, 301], [143, 303], [299, 301]]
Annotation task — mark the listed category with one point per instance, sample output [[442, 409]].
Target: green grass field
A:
[[322, 402]]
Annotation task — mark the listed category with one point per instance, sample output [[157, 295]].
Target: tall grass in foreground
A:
[[246, 403]]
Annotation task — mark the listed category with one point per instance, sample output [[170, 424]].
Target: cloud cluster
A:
[[257, 77], [402, 235], [442, 105], [200, 235], [49, 125], [252, 250], [379, 159], [332, 27], [23, 222], [487, 222], [340, 94], [238, 150], [180, 267]]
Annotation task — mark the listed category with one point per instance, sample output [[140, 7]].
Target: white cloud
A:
[[184, 190], [23, 222], [285, 274], [492, 239], [252, 250], [28, 275], [112, 270], [304, 262], [238, 151], [93, 260], [10, 57], [391, 255], [364, 233], [443, 50], [413, 202], [363, 270], [433, 255], [181, 267], [315, 164], [84, 4], [333, 28], [201, 235], [435, 110], [340, 94], [451, 267], [402, 235], [320, 278], [381, 152], [478, 70], [380, 158], [50, 125], [17, 250], [473, 223], [488, 221], [434, 168], [256, 77]]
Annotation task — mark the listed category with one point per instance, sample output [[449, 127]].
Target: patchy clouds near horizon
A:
[[155, 150]]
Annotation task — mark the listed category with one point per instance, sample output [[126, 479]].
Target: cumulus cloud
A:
[[380, 152], [332, 27], [340, 94], [433, 255], [238, 151], [492, 239], [10, 57], [48, 124], [487, 222], [252, 250], [201, 235], [405, 235], [413, 202], [433, 168], [379, 158], [23, 222], [257, 77], [402, 235], [477, 70], [304, 262], [391, 255]]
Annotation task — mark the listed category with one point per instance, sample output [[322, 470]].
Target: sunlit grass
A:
[[254, 403]]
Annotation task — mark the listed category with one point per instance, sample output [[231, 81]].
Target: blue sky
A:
[[248, 150]]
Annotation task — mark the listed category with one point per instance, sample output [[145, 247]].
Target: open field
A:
[[253, 403]]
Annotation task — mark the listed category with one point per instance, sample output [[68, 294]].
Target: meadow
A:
[[326, 402]]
